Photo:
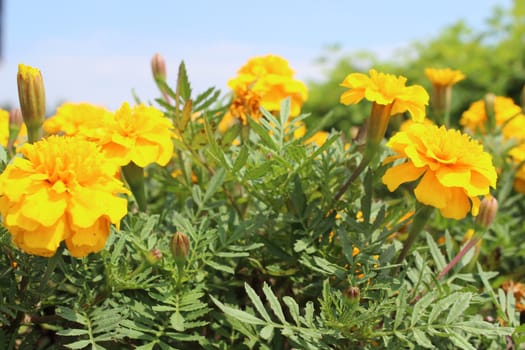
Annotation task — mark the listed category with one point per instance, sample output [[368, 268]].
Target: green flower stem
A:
[[423, 213], [34, 134], [470, 244], [134, 176]]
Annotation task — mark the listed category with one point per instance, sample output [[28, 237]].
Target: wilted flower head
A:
[[139, 134], [63, 190], [265, 81], [386, 90], [453, 169]]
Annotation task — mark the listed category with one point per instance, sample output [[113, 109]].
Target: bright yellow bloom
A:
[[82, 119], [386, 90], [4, 130], [63, 190], [444, 76], [518, 156], [475, 119], [265, 81], [453, 169], [406, 124], [142, 135]]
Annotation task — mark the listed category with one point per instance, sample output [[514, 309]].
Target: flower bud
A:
[[180, 247], [158, 67], [32, 97], [352, 294], [154, 256], [15, 124], [487, 212]]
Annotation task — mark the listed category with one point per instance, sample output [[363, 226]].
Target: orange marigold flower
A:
[[387, 90], [142, 135], [454, 169], [475, 118], [63, 190], [84, 119], [265, 81], [444, 76]]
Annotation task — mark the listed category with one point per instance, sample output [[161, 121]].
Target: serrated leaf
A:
[[263, 134], [483, 328], [258, 172], [460, 305], [220, 267], [401, 306], [420, 307], [274, 303], [183, 84], [461, 342], [256, 301], [438, 257], [309, 313], [71, 315], [422, 339], [78, 344], [294, 309], [241, 159], [215, 150], [186, 115], [215, 182], [72, 332], [240, 315], [177, 322], [441, 306], [266, 332]]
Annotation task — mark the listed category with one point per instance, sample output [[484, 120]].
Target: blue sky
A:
[[99, 50]]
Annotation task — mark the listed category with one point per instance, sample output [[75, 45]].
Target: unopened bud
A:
[[180, 247], [32, 97], [158, 67], [15, 124], [352, 294], [487, 212], [154, 256]]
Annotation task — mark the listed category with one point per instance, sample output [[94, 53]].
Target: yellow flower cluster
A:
[[63, 189], [264, 81]]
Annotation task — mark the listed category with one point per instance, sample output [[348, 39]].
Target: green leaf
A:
[[421, 306], [177, 321], [78, 344], [214, 149], [294, 309], [263, 134], [3, 155], [460, 305], [241, 159], [441, 306], [72, 332], [257, 302], [220, 267], [422, 339], [438, 257], [71, 315], [401, 306], [240, 315], [215, 182], [461, 342], [259, 171], [274, 303], [284, 113], [183, 84], [309, 314], [267, 332]]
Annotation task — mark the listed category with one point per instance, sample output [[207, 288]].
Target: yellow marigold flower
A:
[[387, 90], [518, 156], [63, 190], [453, 168], [406, 124], [444, 76], [475, 118], [82, 119], [4, 130], [265, 81], [142, 135]]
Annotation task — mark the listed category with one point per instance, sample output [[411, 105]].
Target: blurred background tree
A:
[[492, 59]]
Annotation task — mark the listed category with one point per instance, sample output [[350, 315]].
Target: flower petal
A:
[[401, 173]]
